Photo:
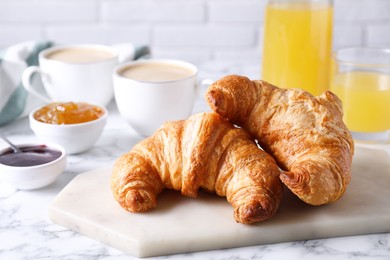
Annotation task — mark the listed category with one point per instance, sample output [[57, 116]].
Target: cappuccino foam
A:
[[80, 55], [155, 72]]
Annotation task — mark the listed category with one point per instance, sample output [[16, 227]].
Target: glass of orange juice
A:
[[361, 79], [297, 44]]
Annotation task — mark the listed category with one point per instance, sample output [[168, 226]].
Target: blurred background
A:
[[192, 30]]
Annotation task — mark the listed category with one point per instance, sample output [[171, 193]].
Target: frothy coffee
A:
[[80, 55], [156, 72]]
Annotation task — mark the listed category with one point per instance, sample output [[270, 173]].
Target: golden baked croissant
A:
[[204, 151], [305, 134]]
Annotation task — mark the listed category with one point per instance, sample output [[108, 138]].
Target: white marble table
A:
[[27, 233]]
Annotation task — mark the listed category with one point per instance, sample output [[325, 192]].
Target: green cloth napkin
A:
[[13, 97]]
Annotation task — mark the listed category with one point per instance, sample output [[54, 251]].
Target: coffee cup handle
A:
[[126, 51], [204, 82], [26, 80]]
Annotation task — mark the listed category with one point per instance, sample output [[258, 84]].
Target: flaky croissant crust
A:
[[305, 134], [205, 152]]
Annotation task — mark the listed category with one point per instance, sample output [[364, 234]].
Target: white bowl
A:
[[75, 138], [33, 177]]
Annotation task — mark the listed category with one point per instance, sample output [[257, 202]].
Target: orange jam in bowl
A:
[[68, 113]]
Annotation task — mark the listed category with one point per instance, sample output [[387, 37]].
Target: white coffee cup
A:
[[81, 72], [151, 92]]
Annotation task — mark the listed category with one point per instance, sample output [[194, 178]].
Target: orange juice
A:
[[297, 44], [366, 100]]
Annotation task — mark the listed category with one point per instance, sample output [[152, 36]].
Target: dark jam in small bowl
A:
[[29, 156]]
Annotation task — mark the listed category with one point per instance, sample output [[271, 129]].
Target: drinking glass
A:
[[361, 79]]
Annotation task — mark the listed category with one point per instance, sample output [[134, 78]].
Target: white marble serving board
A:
[[180, 224]]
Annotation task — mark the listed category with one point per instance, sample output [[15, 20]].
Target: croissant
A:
[[204, 151], [305, 134]]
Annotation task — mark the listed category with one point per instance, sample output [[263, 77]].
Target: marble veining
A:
[[27, 233], [181, 224]]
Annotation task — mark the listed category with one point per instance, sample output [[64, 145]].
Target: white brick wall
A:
[[47, 11], [194, 30], [153, 11], [98, 33]]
